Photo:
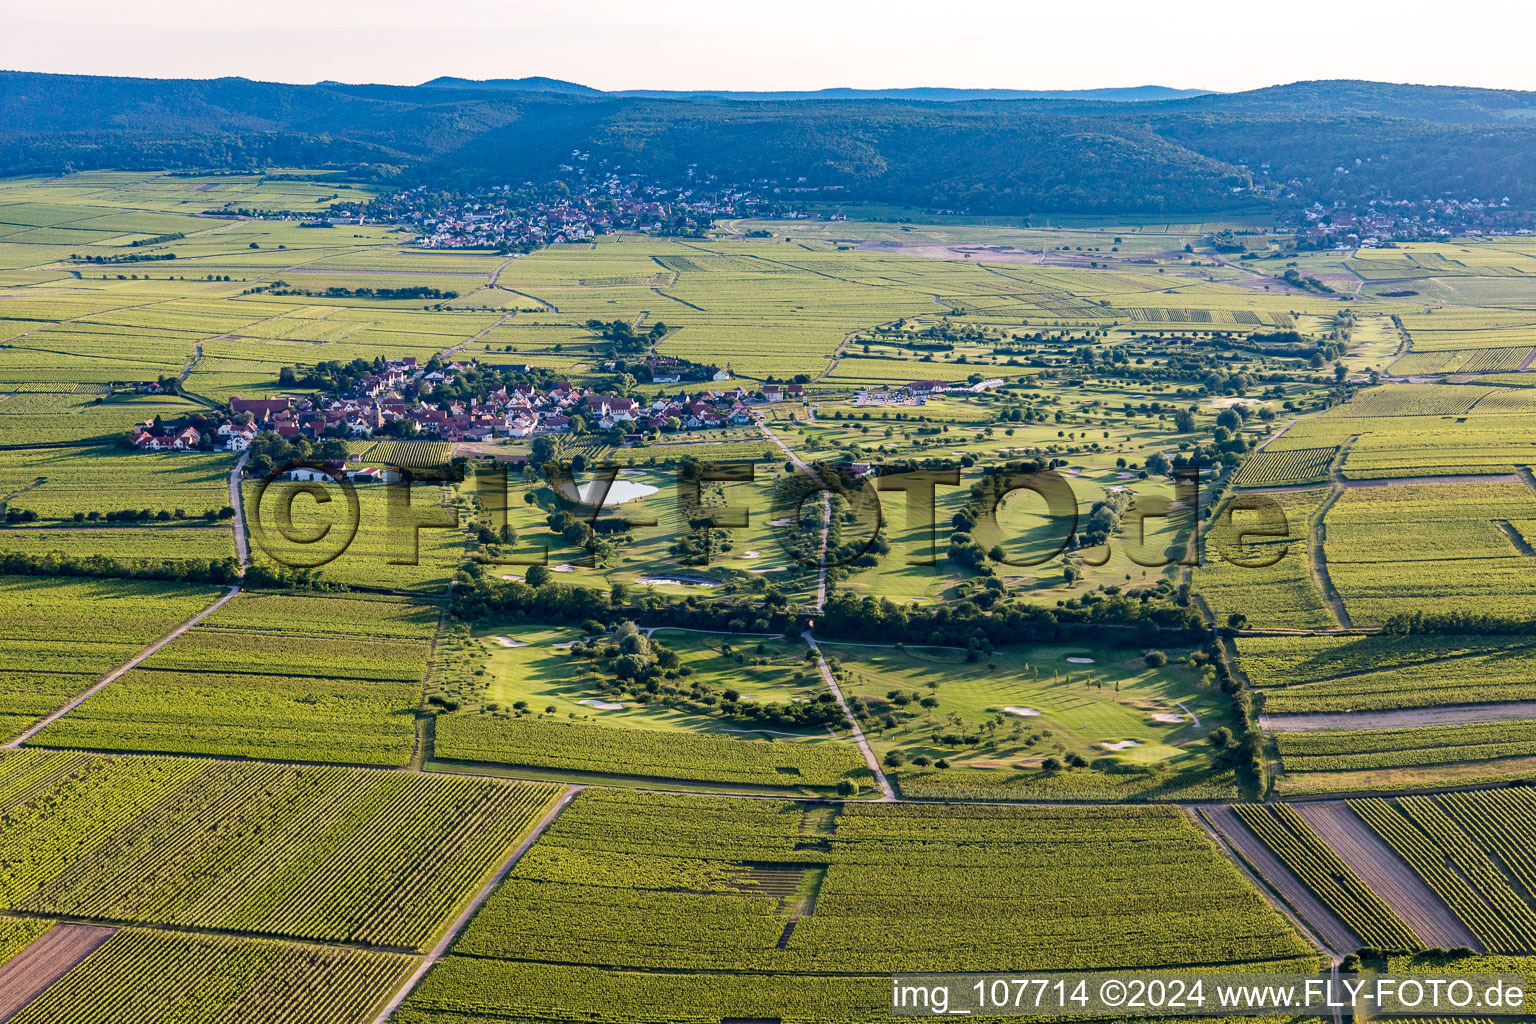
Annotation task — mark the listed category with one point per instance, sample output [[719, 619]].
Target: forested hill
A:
[[1296, 143], [1138, 93]]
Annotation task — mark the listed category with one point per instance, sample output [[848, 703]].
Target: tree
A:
[[846, 787], [1155, 659], [537, 575], [895, 759]]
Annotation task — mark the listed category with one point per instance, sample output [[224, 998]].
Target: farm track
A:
[[1318, 536], [48, 958], [1387, 875], [1388, 481], [1295, 900], [1399, 718], [449, 352], [242, 544], [120, 671], [1275, 436], [887, 794], [453, 930]]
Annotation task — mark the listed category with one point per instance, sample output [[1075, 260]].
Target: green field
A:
[[278, 676], [708, 889], [62, 635]]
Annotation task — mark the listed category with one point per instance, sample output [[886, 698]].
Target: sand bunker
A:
[[1081, 661], [785, 521], [601, 705], [513, 579], [751, 554], [1168, 718], [507, 641], [676, 581], [777, 568], [562, 567], [1122, 745], [1014, 709]]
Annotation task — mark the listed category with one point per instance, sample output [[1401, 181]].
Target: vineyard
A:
[[1431, 548], [61, 635], [1340, 673], [1275, 467], [1334, 882], [138, 975], [571, 746], [1355, 750], [304, 852], [1257, 564], [274, 676], [700, 884], [1475, 851]]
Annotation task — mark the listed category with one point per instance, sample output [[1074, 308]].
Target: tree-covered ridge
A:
[[1278, 147]]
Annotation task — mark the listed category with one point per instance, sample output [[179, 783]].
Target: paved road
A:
[[242, 549], [459, 922], [118, 672], [886, 792]]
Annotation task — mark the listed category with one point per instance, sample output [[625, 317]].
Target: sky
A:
[[784, 44]]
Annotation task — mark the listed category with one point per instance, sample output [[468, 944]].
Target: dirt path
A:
[[1265, 443], [459, 922], [50, 956], [1319, 560], [1287, 892], [887, 794], [122, 669], [1396, 481], [1398, 718], [449, 352], [1387, 875]]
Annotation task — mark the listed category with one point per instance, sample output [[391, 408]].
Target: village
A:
[[396, 402], [575, 208]]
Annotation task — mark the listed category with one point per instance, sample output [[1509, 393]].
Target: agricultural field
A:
[[1433, 548], [1302, 850], [1473, 851], [1282, 468], [56, 484], [137, 973], [1379, 672], [97, 837], [176, 543], [1257, 562], [381, 549], [1384, 760], [63, 634], [743, 889], [1424, 430], [280, 676]]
